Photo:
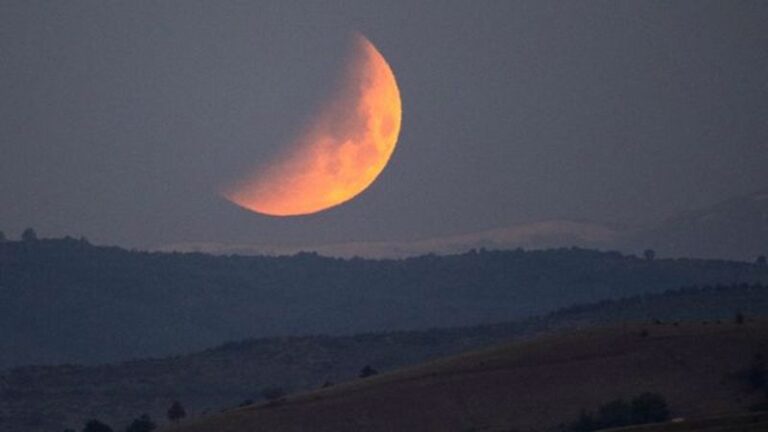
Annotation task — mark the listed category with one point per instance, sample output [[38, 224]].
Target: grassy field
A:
[[537, 385]]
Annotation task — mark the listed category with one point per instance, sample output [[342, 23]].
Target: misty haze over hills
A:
[[538, 235], [735, 229], [616, 112]]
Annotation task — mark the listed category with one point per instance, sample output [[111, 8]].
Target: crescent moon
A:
[[341, 153]]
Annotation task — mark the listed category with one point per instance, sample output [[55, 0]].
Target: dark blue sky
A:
[[120, 121]]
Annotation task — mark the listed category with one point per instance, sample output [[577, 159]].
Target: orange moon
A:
[[341, 152]]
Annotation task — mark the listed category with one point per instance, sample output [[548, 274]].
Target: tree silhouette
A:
[[29, 235], [367, 371], [739, 319], [761, 261], [141, 424], [96, 426], [176, 412], [649, 254]]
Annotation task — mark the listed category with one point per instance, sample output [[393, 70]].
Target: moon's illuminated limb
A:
[[342, 152]]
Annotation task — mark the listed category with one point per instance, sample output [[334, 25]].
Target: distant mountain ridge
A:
[[536, 235], [734, 229]]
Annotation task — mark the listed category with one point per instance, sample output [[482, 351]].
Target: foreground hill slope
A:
[[66, 301], [536, 385], [51, 398]]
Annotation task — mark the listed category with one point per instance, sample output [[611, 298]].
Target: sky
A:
[[122, 121]]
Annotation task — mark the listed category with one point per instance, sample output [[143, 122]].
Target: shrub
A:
[[649, 408], [585, 423], [273, 393], [176, 412], [739, 319], [645, 408], [141, 424], [367, 371], [96, 426]]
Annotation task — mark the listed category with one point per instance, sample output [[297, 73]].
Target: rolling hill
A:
[[535, 385], [50, 398], [66, 301]]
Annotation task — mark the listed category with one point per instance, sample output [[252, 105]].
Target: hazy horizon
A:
[[123, 121]]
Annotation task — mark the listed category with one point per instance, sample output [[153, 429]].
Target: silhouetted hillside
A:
[[42, 399], [695, 370], [65, 301]]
